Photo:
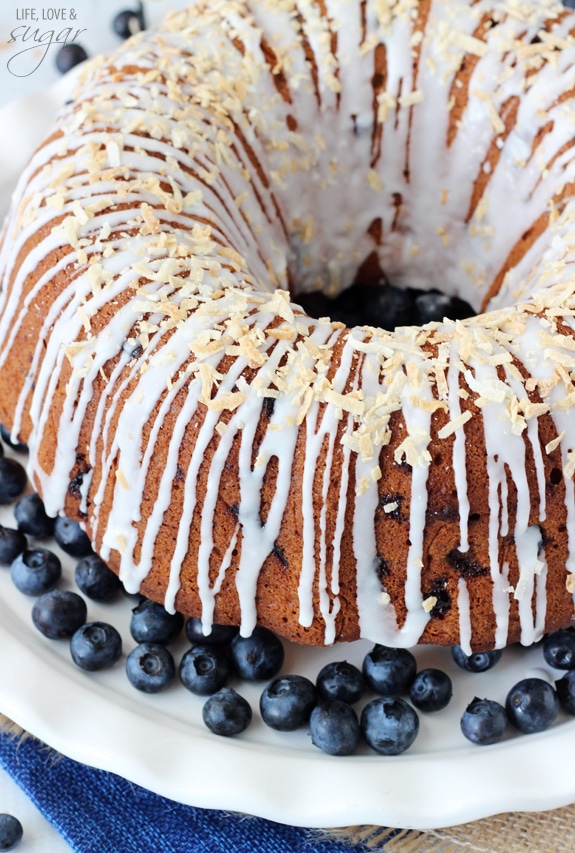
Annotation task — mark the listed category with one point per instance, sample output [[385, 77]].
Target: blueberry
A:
[[334, 727], [436, 306], [151, 623], [341, 680], [287, 702], [484, 721], [128, 22], [13, 480], [205, 669], [389, 671], [12, 543], [477, 661], [559, 649], [18, 446], [431, 690], [316, 304], [71, 538], [220, 635], [31, 517], [532, 705], [389, 725], [69, 56], [565, 688], [35, 571], [569, 4], [150, 667], [257, 657], [227, 713], [131, 596], [95, 579], [11, 831], [383, 306], [95, 646], [58, 613]]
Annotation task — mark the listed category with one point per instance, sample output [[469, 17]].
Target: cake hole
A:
[[475, 516]]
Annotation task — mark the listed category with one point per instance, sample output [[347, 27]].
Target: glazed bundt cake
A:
[[230, 455]]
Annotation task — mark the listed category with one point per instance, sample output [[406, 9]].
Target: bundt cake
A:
[[230, 455]]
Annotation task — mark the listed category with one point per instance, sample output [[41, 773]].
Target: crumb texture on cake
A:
[[230, 455]]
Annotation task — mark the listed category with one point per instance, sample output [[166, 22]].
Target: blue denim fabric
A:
[[99, 812]]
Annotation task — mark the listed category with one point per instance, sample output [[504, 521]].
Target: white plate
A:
[[161, 743]]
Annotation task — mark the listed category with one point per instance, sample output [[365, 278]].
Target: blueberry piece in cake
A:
[[69, 56], [340, 680], [151, 623], [13, 480], [532, 705], [565, 688], [59, 613], [150, 667], [484, 721], [12, 543], [128, 22], [257, 657], [559, 649], [205, 669], [31, 517], [95, 579], [219, 635], [95, 646], [334, 727], [11, 831], [431, 690], [71, 538], [227, 713], [287, 702], [36, 571], [389, 725], [477, 661], [389, 671]]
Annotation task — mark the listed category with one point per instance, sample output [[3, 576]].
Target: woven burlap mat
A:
[[514, 832]]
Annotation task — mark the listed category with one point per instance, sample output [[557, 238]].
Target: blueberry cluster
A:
[[387, 723], [126, 23], [385, 306], [532, 705]]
